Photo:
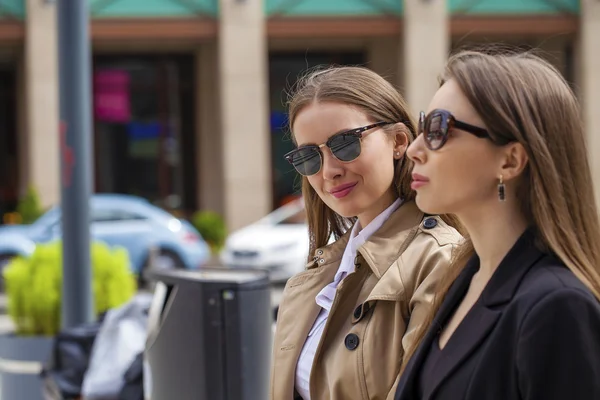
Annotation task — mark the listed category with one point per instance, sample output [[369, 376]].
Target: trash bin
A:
[[209, 335]]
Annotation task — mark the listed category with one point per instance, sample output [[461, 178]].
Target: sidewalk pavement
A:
[[6, 324]]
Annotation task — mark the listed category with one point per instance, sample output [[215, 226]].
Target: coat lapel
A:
[[294, 322]]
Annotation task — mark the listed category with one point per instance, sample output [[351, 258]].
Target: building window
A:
[[144, 128]]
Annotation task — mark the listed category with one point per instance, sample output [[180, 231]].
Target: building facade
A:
[[189, 95]]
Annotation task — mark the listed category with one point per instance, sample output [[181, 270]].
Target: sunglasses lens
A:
[[307, 161], [435, 131], [345, 147]]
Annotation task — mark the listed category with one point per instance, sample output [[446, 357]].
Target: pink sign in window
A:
[[111, 96]]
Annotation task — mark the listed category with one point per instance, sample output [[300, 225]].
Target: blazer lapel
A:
[[294, 323], [479, 321], [453, 298], [476, 326], [485, 313]]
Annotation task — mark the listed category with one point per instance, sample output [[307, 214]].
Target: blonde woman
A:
[[344, 323], [517, 316]]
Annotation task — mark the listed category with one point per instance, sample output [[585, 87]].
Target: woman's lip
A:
[[419, 178], [341, 188], [418, 181], [414, 185]]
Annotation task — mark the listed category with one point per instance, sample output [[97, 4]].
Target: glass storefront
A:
[[284, 69], [144, 128]]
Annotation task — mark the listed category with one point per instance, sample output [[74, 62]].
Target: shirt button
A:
[[351, 341], [430, 223]]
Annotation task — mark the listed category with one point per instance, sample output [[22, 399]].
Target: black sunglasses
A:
[[345, 146], [436, 126]]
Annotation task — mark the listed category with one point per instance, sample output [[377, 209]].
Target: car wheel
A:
[[165, 259]]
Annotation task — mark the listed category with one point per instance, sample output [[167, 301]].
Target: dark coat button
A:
[[366, 308], [430, 223], [351, 341], [358, 312]]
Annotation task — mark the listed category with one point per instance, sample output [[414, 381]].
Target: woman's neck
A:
[[493, 230], [376, 208]]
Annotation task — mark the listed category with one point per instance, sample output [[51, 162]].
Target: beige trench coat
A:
[[374, 314]]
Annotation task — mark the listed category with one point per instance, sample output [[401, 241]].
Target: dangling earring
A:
[[501, 190]]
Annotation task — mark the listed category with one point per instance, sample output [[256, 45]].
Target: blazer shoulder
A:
[[549, 276]]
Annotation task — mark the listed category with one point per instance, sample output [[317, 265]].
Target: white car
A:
[[277, 243]]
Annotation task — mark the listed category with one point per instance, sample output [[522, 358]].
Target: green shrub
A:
[[34, 286], [29, 206], [212, 228]]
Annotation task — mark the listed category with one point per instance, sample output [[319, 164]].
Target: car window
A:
[[108, 215]]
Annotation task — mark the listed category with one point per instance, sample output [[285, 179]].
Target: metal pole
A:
[[76, 159]]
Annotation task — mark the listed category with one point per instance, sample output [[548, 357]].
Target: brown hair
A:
[[522, 98], [380, 101]]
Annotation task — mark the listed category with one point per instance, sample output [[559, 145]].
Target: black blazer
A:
[[533, 334]]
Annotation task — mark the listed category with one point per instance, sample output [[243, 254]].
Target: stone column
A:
[[242, 53], [588, 82], [426, 48], [41, 144]]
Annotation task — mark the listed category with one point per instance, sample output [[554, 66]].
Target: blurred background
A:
[[189, 113], [189, 95]]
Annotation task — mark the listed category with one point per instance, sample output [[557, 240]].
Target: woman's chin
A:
[[428, 205]]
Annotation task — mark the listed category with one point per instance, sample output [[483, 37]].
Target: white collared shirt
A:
[[325, 297]]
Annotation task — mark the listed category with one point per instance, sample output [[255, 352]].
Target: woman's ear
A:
[[514, 161], [400, 140]]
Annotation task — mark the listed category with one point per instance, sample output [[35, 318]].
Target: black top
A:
[[533, 334]]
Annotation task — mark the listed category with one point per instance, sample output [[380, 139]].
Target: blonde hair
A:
[[380, 101], [522, 98]]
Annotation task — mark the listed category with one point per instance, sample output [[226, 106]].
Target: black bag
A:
[[133, 389], [64, 372]]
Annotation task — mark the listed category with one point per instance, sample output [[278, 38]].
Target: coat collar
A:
[[479, 321], [383, 247]]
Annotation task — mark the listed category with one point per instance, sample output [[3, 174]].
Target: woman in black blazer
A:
[[517, 316]]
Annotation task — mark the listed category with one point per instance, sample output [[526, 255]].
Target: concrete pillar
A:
[[589, 82], [242, 52], [426, 49], [42, 102], [209, 142]]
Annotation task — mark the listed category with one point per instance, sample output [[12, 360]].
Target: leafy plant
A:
[[29, 206], [212, 228], [34, 286]]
